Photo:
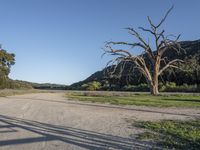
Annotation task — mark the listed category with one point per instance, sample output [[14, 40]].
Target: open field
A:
[[51, 121], [139, 99]]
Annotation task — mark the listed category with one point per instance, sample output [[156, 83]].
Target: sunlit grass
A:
[[137, 99], [172, 134]]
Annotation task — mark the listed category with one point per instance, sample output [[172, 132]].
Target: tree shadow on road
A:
[[77, 137]]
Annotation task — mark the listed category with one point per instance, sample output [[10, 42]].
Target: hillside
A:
[[48, 86], [44, 85], [7, 83], [192, 53]]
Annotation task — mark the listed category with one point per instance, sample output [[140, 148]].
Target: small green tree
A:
[[6, 61], [92, 86]]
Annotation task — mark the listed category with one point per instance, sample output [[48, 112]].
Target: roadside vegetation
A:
[[12, 92], [128, 98], [172, 134]]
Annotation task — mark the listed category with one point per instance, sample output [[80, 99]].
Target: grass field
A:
[[122, 98], [172, 134], [10, 92]]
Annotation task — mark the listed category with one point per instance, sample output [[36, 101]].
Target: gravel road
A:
[[48, 121]]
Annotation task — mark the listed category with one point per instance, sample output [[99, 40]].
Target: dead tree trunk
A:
[[154, 87]]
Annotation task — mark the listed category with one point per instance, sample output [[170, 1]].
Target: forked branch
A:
[[170, 64]]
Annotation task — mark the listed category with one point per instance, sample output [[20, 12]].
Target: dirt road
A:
[[48, 121]]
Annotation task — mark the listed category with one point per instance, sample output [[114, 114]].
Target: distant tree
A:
[[92, 86], [151, 63], [6, 61]]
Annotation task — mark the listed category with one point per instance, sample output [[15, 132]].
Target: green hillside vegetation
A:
[[45, 86], [48, 86], [184, 79]]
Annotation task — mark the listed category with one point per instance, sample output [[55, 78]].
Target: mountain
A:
[[192, 51]]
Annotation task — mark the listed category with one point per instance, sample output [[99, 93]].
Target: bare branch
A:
[[146, 46], [161, 22], [147, 30], [121, 52], [137, 35], [151, 23], [129, 44], [161, 34], [170, 65]]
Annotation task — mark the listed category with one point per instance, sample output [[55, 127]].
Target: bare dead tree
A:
[[149, 62]]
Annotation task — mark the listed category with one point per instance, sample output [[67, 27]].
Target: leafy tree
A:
[[92, 86], [152, 62], [6, 61]]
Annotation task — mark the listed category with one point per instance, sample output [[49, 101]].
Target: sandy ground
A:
[[48, 121]]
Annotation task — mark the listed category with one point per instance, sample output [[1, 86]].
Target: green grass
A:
[[120, 98], [172, 134], [10, 92]]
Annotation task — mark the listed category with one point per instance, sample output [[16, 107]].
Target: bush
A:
[[128, 88], [172, 87], [92, 86], [137, 88], [84, 86], [166, 87]]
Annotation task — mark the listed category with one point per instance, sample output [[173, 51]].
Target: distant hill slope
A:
[[97, 76], [192, 48], [7, 83], [45, 85]]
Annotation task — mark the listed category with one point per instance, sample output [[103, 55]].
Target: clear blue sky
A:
[[60, 41]]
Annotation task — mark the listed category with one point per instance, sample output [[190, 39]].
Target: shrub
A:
[[84, 86], [137, 88], [92, 86], [172, 87], [128, 88]]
